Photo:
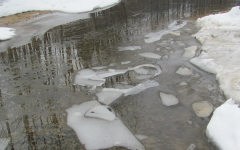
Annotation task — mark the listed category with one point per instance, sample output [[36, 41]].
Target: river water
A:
[[36, 79]]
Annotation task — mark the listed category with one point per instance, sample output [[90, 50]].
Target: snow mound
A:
[[220, 39], [95, 133], [223, 128], [6, 33], [10, 7]]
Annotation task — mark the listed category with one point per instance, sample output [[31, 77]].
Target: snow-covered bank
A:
[[6, 33], [10, 7], [220, 39]]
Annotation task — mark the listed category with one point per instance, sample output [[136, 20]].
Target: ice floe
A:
[[175, 25], [136, 89], [220, 39], [125, 62], [141, 137], [168, 99], [6, 33], [190, 51], [203, 108], [96, 133], [129, 48], [223, 128], [150, 55], [89, 77], [10, 7], [184, 71]]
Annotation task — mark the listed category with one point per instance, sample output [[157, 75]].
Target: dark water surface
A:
[[36, 79]]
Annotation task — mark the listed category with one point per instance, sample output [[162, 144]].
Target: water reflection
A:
[[36, 78]]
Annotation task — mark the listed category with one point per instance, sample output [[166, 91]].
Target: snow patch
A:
[[6, 33], [223, 128]]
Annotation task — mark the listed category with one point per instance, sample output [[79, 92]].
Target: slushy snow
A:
[[6, 33], [10, 7]]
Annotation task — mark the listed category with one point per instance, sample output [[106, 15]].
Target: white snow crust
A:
[[10, 7], [96, 133], [223, 129], [6, 33]]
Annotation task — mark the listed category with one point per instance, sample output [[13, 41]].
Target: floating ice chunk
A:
[[141, 71], [190, 51], [203, 108], [184, 71], [99, 68], [108, 97], [135, 90], [102, 112], [175, 33], [177, 24], [4, 143], [168, 99], [183, 83], [6, 33], [223, 129], [96, 133], [129, 48], [141, 137], [125, 62], [150, 55], [158, 49]]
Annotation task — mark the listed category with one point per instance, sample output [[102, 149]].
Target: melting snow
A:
[[223, 129], [150, 55], [6, 33], [168, 99], [96, 133]]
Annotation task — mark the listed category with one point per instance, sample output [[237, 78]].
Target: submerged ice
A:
[[97, 132]]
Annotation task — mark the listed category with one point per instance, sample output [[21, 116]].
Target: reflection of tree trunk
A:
[[29, 132], [9, 135]]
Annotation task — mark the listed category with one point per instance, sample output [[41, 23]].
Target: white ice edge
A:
[[95, 133], [10, 7]]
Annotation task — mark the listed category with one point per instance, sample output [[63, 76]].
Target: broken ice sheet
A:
[[96, 133], [168, 99], [184, 71]]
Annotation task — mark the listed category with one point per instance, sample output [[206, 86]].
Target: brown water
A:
[[36, 79]]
